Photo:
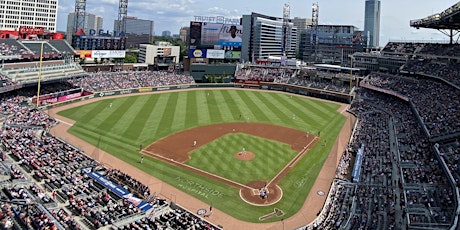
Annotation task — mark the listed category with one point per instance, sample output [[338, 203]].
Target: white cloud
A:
[[173, 14]]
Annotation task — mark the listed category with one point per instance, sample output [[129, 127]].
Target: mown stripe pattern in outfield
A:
[[145, 118], [142, 119]]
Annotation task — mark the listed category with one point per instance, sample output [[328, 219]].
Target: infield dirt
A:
[[306, 214]]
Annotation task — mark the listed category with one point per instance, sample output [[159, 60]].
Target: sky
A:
[[171, 15]]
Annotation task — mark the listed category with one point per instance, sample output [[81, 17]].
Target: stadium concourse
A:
[[400, 169]]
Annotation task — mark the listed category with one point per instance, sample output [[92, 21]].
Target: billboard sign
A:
[[231, 35], [108, 53], [215, 54], [197, 53], [207, 35], [230, 54], [195, 34], [167, 52]]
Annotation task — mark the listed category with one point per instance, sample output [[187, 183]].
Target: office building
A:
[[263, 37], [183, 33], [372, 22], [29, 13], [302, 25], [160, 54], [92, 22], [166, 33], [333, 44], [137, 31]]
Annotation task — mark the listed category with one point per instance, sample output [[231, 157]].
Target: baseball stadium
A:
[[270, 146]]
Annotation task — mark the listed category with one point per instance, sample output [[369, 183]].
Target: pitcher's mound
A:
[[245, 156]]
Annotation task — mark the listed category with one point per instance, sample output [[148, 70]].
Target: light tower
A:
[[121, 27], [122, 14], [314, 29], [80, 14], [285, 41]]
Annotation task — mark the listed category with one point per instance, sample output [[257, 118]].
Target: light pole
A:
[[40, 72]]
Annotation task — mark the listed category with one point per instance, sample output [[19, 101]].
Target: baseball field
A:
[[245, 140]]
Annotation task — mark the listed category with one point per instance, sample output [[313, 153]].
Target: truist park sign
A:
[[218, 19]]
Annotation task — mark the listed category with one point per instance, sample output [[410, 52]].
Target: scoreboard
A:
[[98, 43]]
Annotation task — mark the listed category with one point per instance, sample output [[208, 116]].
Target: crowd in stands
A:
[[48, 186], [102, 81], [5, 80], [177, 218], [320, 83], [7, 49], [450, 152], [434, 59], [401, 184], [264, 73], [418, 48], [449, 71], [329, 81], [402, 181], [425, 94], [133, 185]]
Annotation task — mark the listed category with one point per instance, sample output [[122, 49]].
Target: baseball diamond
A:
[[178, 128]]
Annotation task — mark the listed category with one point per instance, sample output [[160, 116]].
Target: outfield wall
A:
[[323, 94]]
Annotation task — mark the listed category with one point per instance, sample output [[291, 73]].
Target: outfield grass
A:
[[142, 119]]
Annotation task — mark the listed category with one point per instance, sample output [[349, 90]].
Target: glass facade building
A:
[[266, 36], [372, 22], [138, 31]]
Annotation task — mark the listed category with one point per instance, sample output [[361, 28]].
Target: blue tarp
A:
[[358, 164], [120, 191]]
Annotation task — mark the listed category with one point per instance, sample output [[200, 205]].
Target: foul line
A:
[[67, 123], [293, 161], [171, 161]]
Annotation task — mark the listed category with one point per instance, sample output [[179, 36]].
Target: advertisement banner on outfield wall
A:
[[108, 53], [145, 89], [69, 96], [215, 54], [106, 93]]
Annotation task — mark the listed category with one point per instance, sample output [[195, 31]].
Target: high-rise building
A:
[[333, 43], [138, 31], [183, 33], [92, 22], [302, 24], [263, 37], [30, 13], [166, 33], [372, 22]]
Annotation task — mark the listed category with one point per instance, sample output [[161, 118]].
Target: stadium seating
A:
[[407, 125], [46, 181], [12, 49]]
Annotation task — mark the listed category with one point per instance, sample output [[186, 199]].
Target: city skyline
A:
[[172, 15]]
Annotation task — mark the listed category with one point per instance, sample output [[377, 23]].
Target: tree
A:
[[130, 58]]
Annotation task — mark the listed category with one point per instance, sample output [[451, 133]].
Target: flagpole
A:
[[39, 73]]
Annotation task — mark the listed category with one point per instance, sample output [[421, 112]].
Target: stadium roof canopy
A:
[[448, 19]]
